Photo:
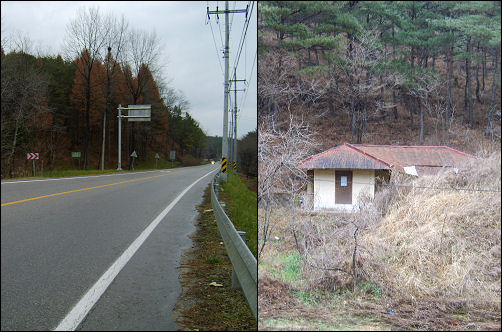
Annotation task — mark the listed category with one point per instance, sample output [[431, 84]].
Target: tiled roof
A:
[[343, 156], [365, 156]]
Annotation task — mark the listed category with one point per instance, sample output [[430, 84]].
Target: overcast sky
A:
[[193, 59]]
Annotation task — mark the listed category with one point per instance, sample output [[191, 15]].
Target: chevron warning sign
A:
[[224, 165], [31, 156], [235, 165]]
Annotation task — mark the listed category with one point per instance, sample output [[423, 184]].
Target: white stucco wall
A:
[[324, 187], [363, 182]]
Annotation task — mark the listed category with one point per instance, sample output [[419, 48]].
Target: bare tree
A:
[[88, 34], [143, 51], [426, 87], [116, 43], [361, 96], [281, 147]]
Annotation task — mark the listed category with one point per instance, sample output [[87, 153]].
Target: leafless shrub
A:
[[281, 147]]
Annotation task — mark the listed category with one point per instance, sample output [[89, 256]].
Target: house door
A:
[[343, 187]]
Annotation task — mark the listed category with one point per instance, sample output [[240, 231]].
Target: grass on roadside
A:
[[64, 172], [241, 207], [202, 306]]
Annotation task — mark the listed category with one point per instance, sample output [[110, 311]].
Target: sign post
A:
[[42, 167], [156, 159], [76, 155], [138, 113], [172, 156], [32, 156], [133, 155]]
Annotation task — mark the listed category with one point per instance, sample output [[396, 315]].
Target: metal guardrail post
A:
[[244, 263]]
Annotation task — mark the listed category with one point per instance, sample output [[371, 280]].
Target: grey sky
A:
[[190, 58]]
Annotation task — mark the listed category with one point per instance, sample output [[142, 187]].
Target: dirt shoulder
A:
[[202, 306]]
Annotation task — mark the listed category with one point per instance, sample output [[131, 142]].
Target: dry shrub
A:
[[327, 243], [441, 243]]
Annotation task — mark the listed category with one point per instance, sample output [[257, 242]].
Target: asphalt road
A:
[[57, 247]]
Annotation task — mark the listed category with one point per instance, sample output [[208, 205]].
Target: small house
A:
[[341, 174]]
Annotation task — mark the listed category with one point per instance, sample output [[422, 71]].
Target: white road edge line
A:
[[87, 302], [84, 177]]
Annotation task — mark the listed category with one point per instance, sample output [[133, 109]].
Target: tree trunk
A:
[[468, 107], [87, 122], [489, 128], [448, 87], [102, 162], [478, 98], [395, 105], [421, 121], [382, 99], [484, 69], [13, 150]]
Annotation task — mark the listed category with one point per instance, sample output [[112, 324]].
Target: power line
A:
[[249, 80], [243, 36], [216, 47]]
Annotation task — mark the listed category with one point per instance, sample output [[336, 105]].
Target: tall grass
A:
[[241, 207], [443, 243]]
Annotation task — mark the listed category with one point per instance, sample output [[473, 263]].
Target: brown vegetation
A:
[[428, 249]]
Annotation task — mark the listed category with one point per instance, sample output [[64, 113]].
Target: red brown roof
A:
[[427, 159]]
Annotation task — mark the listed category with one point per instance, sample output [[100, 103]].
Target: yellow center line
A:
[[83, 189]]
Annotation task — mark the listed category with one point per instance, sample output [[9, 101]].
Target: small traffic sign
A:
[[157, 156], [224, 165], [75, 154], [134, 155], [32, 156]]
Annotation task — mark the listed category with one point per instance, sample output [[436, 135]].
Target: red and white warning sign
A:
[[31, 156]]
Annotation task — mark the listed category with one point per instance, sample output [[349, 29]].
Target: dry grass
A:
[[442, 244]]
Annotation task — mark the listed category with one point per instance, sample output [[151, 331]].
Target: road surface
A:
[[96, 252]]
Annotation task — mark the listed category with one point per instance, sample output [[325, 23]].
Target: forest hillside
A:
[[377, 72], [422, 253]]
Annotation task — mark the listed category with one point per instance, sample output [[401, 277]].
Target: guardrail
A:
[[245, 266]]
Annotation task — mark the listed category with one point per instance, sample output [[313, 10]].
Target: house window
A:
[[343, 181]]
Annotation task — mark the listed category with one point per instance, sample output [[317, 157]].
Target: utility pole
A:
[[226, 56], [234, 122], [107, 109]]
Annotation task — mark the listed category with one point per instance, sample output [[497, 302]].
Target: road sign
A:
[[32, 156], [157, 156], [134, 155], [75, 154], [139, 113], [172, 155], [224, 165]]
